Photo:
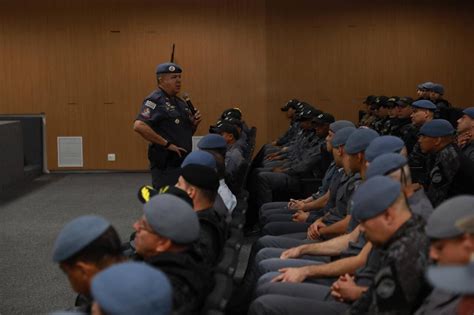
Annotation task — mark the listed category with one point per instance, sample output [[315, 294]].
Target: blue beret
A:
[[200, 158], [382, 145], [169, 216], [374, 196], [424, 104], [77, 234], [339, 124], [359, 140], [469, 111], [442, 222], [454, 279], [437, 128], [132, 288], [437, 88], [425, 85], [341, 136], [168, 67], [212, 141], [386, 164]]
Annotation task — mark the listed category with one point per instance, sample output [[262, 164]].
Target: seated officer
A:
[[84, 247], [403, 110], [290, 111], [450, 173], [423, 111], [233, 155], [422, 91], [396, 167], [285, 211], [131, 288], [201, 183], [216, 145], [396, 273], [436, 92], [450, 245], [207, 159], [165, 238], [466, 133]]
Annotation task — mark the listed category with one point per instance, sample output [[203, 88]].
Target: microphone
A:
[[187, 99]]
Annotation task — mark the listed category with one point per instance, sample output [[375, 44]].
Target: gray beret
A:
[[374, 196], [382, 145], [212, 141], [466, 224], [168, 67], [469, 111], [359, 140], [77, 234], [173, 218], [339, 124], [437, 128], [132, 288], [454, 279], [200, 158], [341, 136], [442, 222], [424, 104], [385, 164]]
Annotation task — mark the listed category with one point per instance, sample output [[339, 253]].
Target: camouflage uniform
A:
[[400, 283], [367, 120], [468, 150]]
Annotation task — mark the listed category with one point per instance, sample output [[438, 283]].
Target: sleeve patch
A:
[[150, 104]]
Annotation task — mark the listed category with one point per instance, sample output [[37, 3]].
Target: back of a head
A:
[[132, 288], [203, 178]]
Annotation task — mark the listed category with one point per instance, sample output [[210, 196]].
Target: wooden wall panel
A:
[[89, 64], [334, 53]]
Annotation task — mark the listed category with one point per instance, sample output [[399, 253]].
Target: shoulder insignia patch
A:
[[146, 113], [150, 104]]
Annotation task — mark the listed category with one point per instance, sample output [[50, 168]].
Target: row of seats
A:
[[226, 276]]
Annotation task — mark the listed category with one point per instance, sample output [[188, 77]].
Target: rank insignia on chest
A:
[[176, 121]]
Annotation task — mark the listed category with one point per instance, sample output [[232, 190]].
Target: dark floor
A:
[[30, 219]]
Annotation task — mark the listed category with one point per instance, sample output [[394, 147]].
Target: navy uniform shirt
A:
[[170, 117]]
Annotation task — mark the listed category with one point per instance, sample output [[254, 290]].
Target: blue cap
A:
[[469, 111], [385, 164], [200, 158], [454, 279], [437, 128], [374, 196], [443, 221], [169, 216], [382, 145], [359, 140], [424, 104], [425, 85], [339, 124], [168, 67], [437, 88], [77, 234], [212, 141], [132, 288], [341, 136]]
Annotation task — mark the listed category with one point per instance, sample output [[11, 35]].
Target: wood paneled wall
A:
[[333, 54], [88, 64]]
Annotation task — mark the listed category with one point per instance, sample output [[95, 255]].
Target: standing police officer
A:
[[168, 124]]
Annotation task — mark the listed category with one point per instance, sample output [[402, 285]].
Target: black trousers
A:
[[164, 177]]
